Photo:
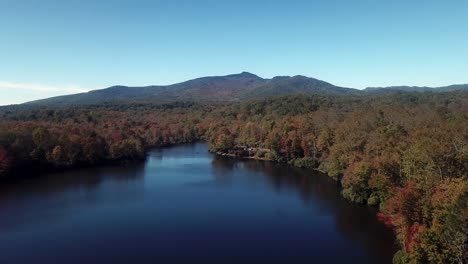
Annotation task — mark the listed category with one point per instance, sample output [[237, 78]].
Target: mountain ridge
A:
[[407, 88], [232, 87]]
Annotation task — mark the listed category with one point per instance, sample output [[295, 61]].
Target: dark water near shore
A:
[[186, 205]]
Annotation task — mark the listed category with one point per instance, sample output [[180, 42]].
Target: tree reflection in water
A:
[[357, 223], [54, 188], [184, 202]]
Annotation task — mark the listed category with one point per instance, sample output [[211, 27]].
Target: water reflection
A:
[[52, 196], [357, 223], [186, 204], [79, 178]]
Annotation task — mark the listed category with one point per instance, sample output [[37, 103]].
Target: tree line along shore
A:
[[405, 153]]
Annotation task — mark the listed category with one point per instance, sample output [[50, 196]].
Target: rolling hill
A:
[[450, 88], [232, 87]]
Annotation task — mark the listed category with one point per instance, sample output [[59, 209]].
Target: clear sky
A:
[[58, 47]]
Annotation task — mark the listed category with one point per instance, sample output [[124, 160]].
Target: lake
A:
[[184, 204]]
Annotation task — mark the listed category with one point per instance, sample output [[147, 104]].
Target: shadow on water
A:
[[20, 199], [357, 223]]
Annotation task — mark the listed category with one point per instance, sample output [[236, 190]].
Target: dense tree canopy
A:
[[406, 153]]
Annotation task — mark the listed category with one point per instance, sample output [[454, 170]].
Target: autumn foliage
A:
[[405, 153]]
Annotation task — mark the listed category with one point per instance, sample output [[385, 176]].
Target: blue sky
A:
[[51, 48]]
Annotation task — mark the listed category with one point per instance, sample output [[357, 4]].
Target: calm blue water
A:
[[186, 205]]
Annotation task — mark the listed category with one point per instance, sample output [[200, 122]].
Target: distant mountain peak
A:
[[301, 77], [245, 74]]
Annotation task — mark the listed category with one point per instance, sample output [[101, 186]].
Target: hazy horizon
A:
[[55, 48]]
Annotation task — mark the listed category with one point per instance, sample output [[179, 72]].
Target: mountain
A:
[[450, 88], [232, 87]]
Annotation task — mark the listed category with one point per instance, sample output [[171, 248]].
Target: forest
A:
[[404, 153]]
